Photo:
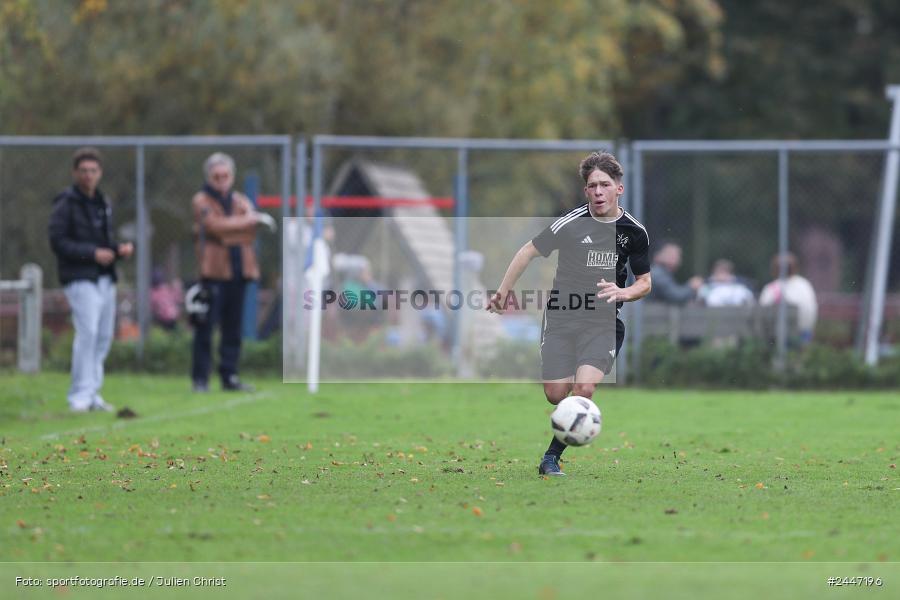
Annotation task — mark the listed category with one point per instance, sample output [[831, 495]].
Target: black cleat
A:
[[550, 466]]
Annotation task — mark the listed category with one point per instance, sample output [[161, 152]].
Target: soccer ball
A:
[[576, 421]]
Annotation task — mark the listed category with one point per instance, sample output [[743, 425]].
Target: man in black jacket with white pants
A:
[[81, 235]]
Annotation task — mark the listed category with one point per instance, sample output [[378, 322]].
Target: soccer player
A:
[[582, 332]]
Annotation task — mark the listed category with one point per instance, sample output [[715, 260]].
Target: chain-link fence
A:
[[746, 202], [740, 201], [150, 182], [484, 180]]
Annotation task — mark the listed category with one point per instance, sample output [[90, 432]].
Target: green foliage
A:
[[788, 73], [229, 66], [750, 366], [513, 360], [656, 68], [348, 360], [744, 366], [170, 353]]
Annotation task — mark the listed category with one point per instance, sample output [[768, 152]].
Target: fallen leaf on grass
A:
[[671, 511], [263, 439], [477, 511], [392, 517], [760, 485]]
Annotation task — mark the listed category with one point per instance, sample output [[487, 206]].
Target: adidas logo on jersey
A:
[[587, 240]]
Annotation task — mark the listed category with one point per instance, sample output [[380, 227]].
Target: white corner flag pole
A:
[[316, 275], [885, 233]]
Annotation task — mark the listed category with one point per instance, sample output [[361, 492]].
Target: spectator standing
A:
[[81, 236], [224, 228]]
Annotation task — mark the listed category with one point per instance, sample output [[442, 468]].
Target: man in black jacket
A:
[[81, 235]]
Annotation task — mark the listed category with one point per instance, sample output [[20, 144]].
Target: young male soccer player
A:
[[582, 332]]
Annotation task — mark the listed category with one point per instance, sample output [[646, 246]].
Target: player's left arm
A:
[[611, 292], [639, 260]]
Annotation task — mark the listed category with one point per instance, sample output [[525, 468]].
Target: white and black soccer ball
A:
[[576, 421]]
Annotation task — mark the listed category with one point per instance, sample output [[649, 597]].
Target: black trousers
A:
[[227, 311]]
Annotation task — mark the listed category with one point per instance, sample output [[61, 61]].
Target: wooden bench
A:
[[694, 322]]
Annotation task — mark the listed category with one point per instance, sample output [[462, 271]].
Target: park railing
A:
[[29, 290]]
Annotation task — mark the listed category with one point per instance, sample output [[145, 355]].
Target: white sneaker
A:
[[100, 404], [82, 408]]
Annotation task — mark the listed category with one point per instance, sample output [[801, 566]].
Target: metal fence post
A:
[[781, 329], [885, 231], [637, 313], [30, 307], [315, 325], [285, 181], [623, 152], [297, 336], [142, 255], [251, 289], [461, 242]]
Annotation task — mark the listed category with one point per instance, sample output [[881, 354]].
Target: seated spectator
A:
[[723, 287], [796, 290], [666, 261]]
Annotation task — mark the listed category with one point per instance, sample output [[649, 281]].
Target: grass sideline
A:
[[419, 472]]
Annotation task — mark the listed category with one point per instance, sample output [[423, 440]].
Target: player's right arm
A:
[[527, 253]]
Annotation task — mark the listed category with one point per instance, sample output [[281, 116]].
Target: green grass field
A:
[[447, 472]]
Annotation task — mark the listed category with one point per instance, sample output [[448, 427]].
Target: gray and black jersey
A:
[[591, 250]]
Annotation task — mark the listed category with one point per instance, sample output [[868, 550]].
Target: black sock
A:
[[556, 447]]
